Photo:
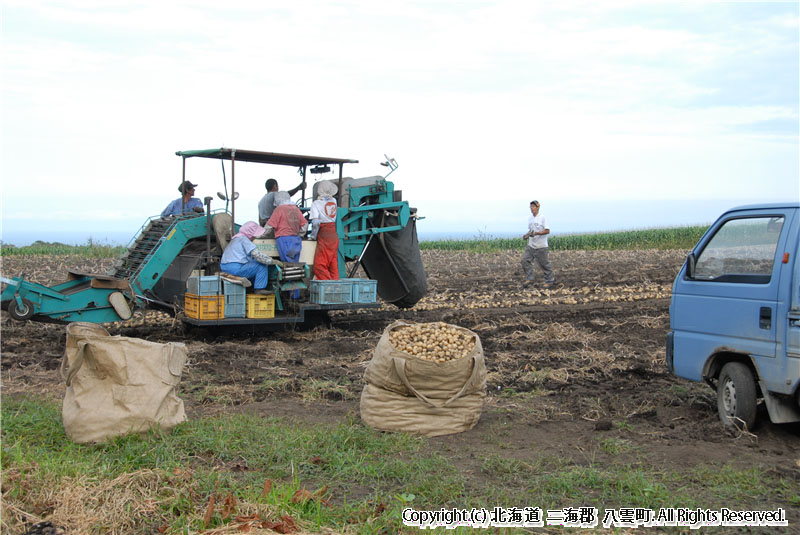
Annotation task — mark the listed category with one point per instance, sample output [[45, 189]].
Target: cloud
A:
[[584, 99]]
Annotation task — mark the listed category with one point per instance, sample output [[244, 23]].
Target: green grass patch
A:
[[355, 479], [616, 446], [90, 249], [656, 238]]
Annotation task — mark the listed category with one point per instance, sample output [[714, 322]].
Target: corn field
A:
[[88, 250], [655, 238]]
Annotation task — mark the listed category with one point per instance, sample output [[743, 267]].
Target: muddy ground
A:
[[570, 369]]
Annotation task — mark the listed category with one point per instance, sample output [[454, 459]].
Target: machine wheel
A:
[[736, 396], [20, 313]]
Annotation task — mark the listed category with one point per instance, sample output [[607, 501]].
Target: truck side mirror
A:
[[691, 262]]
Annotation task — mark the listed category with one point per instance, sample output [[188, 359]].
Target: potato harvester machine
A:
[[376, 228]]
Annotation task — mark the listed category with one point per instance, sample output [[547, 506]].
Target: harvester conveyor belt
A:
[[143, 247]]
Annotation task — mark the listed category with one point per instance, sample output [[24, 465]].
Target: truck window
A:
[[742, 250]]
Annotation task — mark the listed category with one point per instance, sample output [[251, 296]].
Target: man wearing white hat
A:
[[323, 217]]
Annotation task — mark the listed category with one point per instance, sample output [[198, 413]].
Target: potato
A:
[[435, 342]]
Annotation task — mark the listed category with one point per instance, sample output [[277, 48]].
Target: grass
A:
[[616, 446], [232, 455], [342, 477], [657, 238]]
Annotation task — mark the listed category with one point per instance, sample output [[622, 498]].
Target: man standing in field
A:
[[267, 203], [537, 248]]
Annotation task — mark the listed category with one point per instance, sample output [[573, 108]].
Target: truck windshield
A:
[[742, 250]]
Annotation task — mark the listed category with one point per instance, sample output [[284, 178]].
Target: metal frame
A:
[[300, 161], [280, 320]]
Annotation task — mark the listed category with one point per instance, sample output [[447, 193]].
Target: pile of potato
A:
[[435, 342]]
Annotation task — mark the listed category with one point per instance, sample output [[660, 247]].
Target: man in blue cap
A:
[[184, 204]]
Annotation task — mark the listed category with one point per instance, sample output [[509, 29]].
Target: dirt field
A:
[[568, 367]]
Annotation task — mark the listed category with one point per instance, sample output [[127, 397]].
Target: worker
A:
[[537, 248], [323, 217], [289, 224], [267, 203], [185, 203], [243, 259]]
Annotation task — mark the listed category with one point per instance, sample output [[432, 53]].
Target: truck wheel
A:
[[20, 313], [736, 396]]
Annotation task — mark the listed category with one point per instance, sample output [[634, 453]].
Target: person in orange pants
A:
[[323, 218]]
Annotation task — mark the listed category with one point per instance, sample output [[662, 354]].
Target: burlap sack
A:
[[404, 393], [118, 385]]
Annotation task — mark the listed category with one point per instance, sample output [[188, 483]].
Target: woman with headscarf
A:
[[323, 216], [289, 225], [243, 259]]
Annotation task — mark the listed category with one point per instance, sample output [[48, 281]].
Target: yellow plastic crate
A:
[[205, 307], [260, 306]]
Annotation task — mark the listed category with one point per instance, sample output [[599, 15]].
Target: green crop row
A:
[[655, 238], [90, 249]]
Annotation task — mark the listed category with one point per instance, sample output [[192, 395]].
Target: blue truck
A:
[[735, 314]]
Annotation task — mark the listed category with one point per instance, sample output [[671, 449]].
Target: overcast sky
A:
[[482, 103]]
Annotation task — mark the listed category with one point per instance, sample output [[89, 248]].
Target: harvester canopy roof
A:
[[276, 158]]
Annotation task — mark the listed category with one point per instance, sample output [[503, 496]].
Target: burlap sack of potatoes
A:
[[405, 393], [118, 385]]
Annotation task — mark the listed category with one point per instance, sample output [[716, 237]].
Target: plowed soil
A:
[[569, 367]]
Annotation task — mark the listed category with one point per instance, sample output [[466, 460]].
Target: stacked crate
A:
[[235, 303], [260, 306], [203, 299], [365, 290], [331, 292], [204, 285], [209, 297], [343, 291]]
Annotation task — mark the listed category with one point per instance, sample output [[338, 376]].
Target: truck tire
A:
[[22, 313], [736, 396]]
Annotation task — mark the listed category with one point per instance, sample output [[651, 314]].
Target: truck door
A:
[[729, 300], [793, 319]]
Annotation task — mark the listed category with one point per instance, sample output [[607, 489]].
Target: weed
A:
[[273, 385], [319, 389], [623, 425], [615, 446]]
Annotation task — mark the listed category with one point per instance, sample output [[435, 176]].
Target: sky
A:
[[618, 114]]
